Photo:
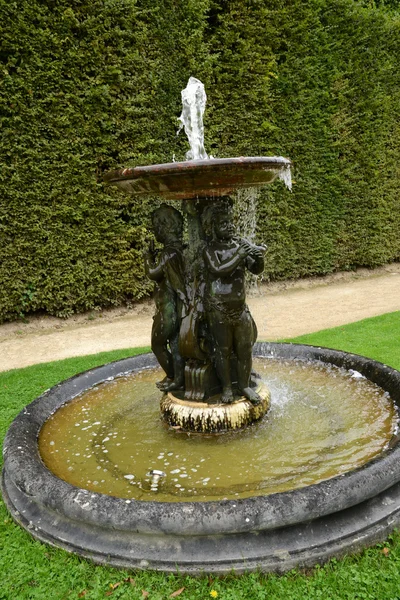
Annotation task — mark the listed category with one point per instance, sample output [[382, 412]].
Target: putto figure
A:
[[231, 326], [167, 270]]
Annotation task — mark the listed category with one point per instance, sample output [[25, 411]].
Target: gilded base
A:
[[214, 417]]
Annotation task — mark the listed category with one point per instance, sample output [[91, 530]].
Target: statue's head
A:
[[217, 219], [167, 223]]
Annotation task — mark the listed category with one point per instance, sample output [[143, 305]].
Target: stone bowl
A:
[[198, 178], [275, 532]]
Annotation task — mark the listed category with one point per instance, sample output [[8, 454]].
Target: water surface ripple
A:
[[323, 421]]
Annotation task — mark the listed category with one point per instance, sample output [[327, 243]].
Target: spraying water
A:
[[193, 106], [194, 100]]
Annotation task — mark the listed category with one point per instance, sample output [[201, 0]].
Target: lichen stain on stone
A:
[[213, 418]]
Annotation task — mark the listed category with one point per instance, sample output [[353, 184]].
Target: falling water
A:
[[193, 106], [285, 175], [245, 211]]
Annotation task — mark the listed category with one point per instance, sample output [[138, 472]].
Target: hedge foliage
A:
[[90, 85]]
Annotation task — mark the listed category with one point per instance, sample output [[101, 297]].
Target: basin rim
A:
[[244, 162], [25, 472], [198, 179]]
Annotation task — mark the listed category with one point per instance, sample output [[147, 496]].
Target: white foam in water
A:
[[356, 374], [193, 106]]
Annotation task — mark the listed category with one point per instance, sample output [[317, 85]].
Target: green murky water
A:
[[323, 421]]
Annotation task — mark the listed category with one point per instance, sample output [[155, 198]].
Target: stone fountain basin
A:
[[275, 532], [198, 178]]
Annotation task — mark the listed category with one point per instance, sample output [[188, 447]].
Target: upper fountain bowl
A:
[[200, 178]]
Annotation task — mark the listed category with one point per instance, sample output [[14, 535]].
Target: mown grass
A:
[[31, 570], [377, 337]]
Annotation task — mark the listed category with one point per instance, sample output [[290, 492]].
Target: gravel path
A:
[[280, 309]]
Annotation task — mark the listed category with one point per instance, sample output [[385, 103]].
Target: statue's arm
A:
[[256, 264], [224, 266], [154, 270], [255, 256]]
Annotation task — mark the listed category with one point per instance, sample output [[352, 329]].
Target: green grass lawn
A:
[[378, 338], [29, 569]]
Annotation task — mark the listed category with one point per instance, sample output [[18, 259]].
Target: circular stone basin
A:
[[323, 421], [301, 504], [199, 178]]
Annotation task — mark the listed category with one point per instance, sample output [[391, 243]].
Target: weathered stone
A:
[[276, 532], [209, 417], [198, 178]]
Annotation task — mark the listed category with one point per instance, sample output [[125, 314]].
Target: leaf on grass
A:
[[113, 587], [177, 593], [82, 594], [130, 580], [385, 551], [145, 594]]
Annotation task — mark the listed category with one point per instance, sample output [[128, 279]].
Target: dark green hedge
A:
[[316, 81], [91, 85]]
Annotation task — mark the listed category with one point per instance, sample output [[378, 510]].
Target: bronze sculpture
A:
[[167, 271], [206, 353], [231, 326]]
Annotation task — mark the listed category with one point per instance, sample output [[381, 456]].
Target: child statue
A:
[[167, 271], [231, 326]]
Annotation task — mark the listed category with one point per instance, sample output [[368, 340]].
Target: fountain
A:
[[203, 332], [267, 456]]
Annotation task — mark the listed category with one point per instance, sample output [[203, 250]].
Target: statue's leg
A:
[[244, 334], [159, 345], [179, 365], [222, 336]]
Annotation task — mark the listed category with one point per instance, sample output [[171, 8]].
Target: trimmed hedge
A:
[[90, 85], [316, 81]]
